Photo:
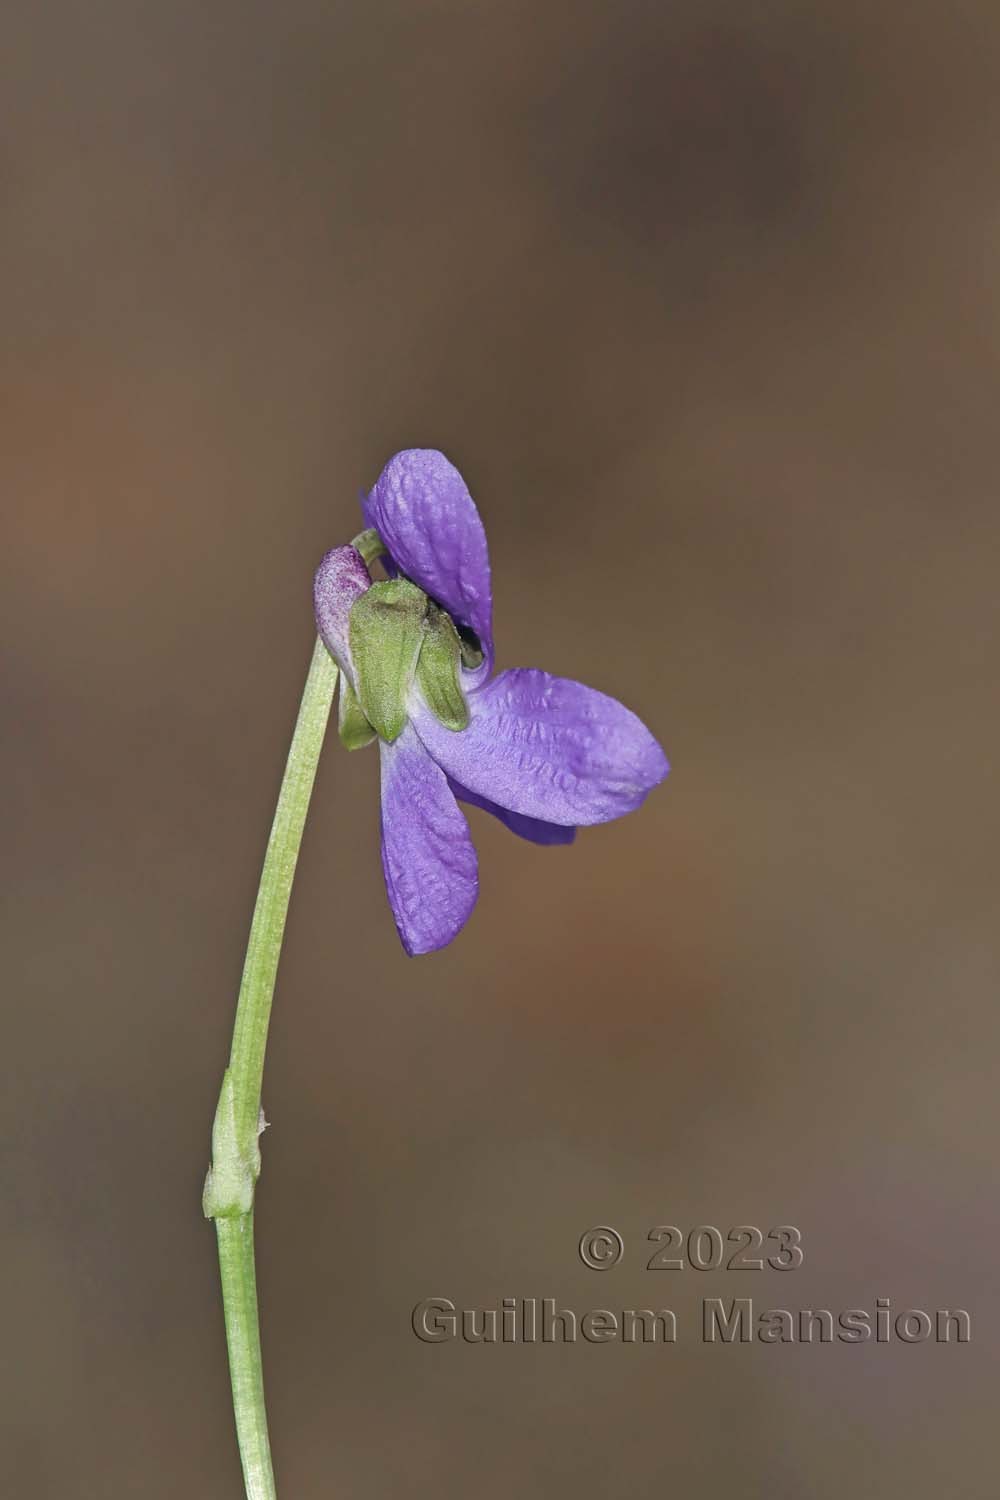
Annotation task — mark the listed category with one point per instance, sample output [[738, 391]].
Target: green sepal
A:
[[370, 545], [437, 671], [386, 631], [354, 729]]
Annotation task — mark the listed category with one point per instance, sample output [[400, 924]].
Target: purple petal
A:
[[547, 748], [341, 579], [534, 829], [429, 522], [428, 858]]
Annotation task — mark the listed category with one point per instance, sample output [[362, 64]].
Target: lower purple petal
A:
[[428, 858], [534, 829], [547, 748]]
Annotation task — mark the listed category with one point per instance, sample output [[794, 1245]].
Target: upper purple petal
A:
[[427, 519], [428, 858], [533, 829], [547, 748], [341, 579]]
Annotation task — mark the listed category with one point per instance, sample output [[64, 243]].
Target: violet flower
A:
[[543, 754]]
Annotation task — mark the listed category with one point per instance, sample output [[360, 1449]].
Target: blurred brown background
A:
[[701, 297]]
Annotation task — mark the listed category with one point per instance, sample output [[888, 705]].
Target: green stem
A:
[[229, 1187], [239, 1300]]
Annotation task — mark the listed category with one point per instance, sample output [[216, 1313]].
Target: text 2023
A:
[[705, 1248]]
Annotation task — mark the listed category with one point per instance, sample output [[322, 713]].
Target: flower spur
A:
[[543, 754]]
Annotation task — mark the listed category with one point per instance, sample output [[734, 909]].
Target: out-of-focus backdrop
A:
[[702, 299]]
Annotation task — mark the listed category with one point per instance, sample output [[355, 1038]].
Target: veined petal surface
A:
[[428, 858], [426, 517], [548, 748]]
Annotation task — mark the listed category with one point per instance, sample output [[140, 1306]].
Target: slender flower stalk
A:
[[229, 1187]]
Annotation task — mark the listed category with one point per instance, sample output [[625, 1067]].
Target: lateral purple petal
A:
[[547, 748], [426, 517], [533, 829], [428, 858], [341, 579]]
